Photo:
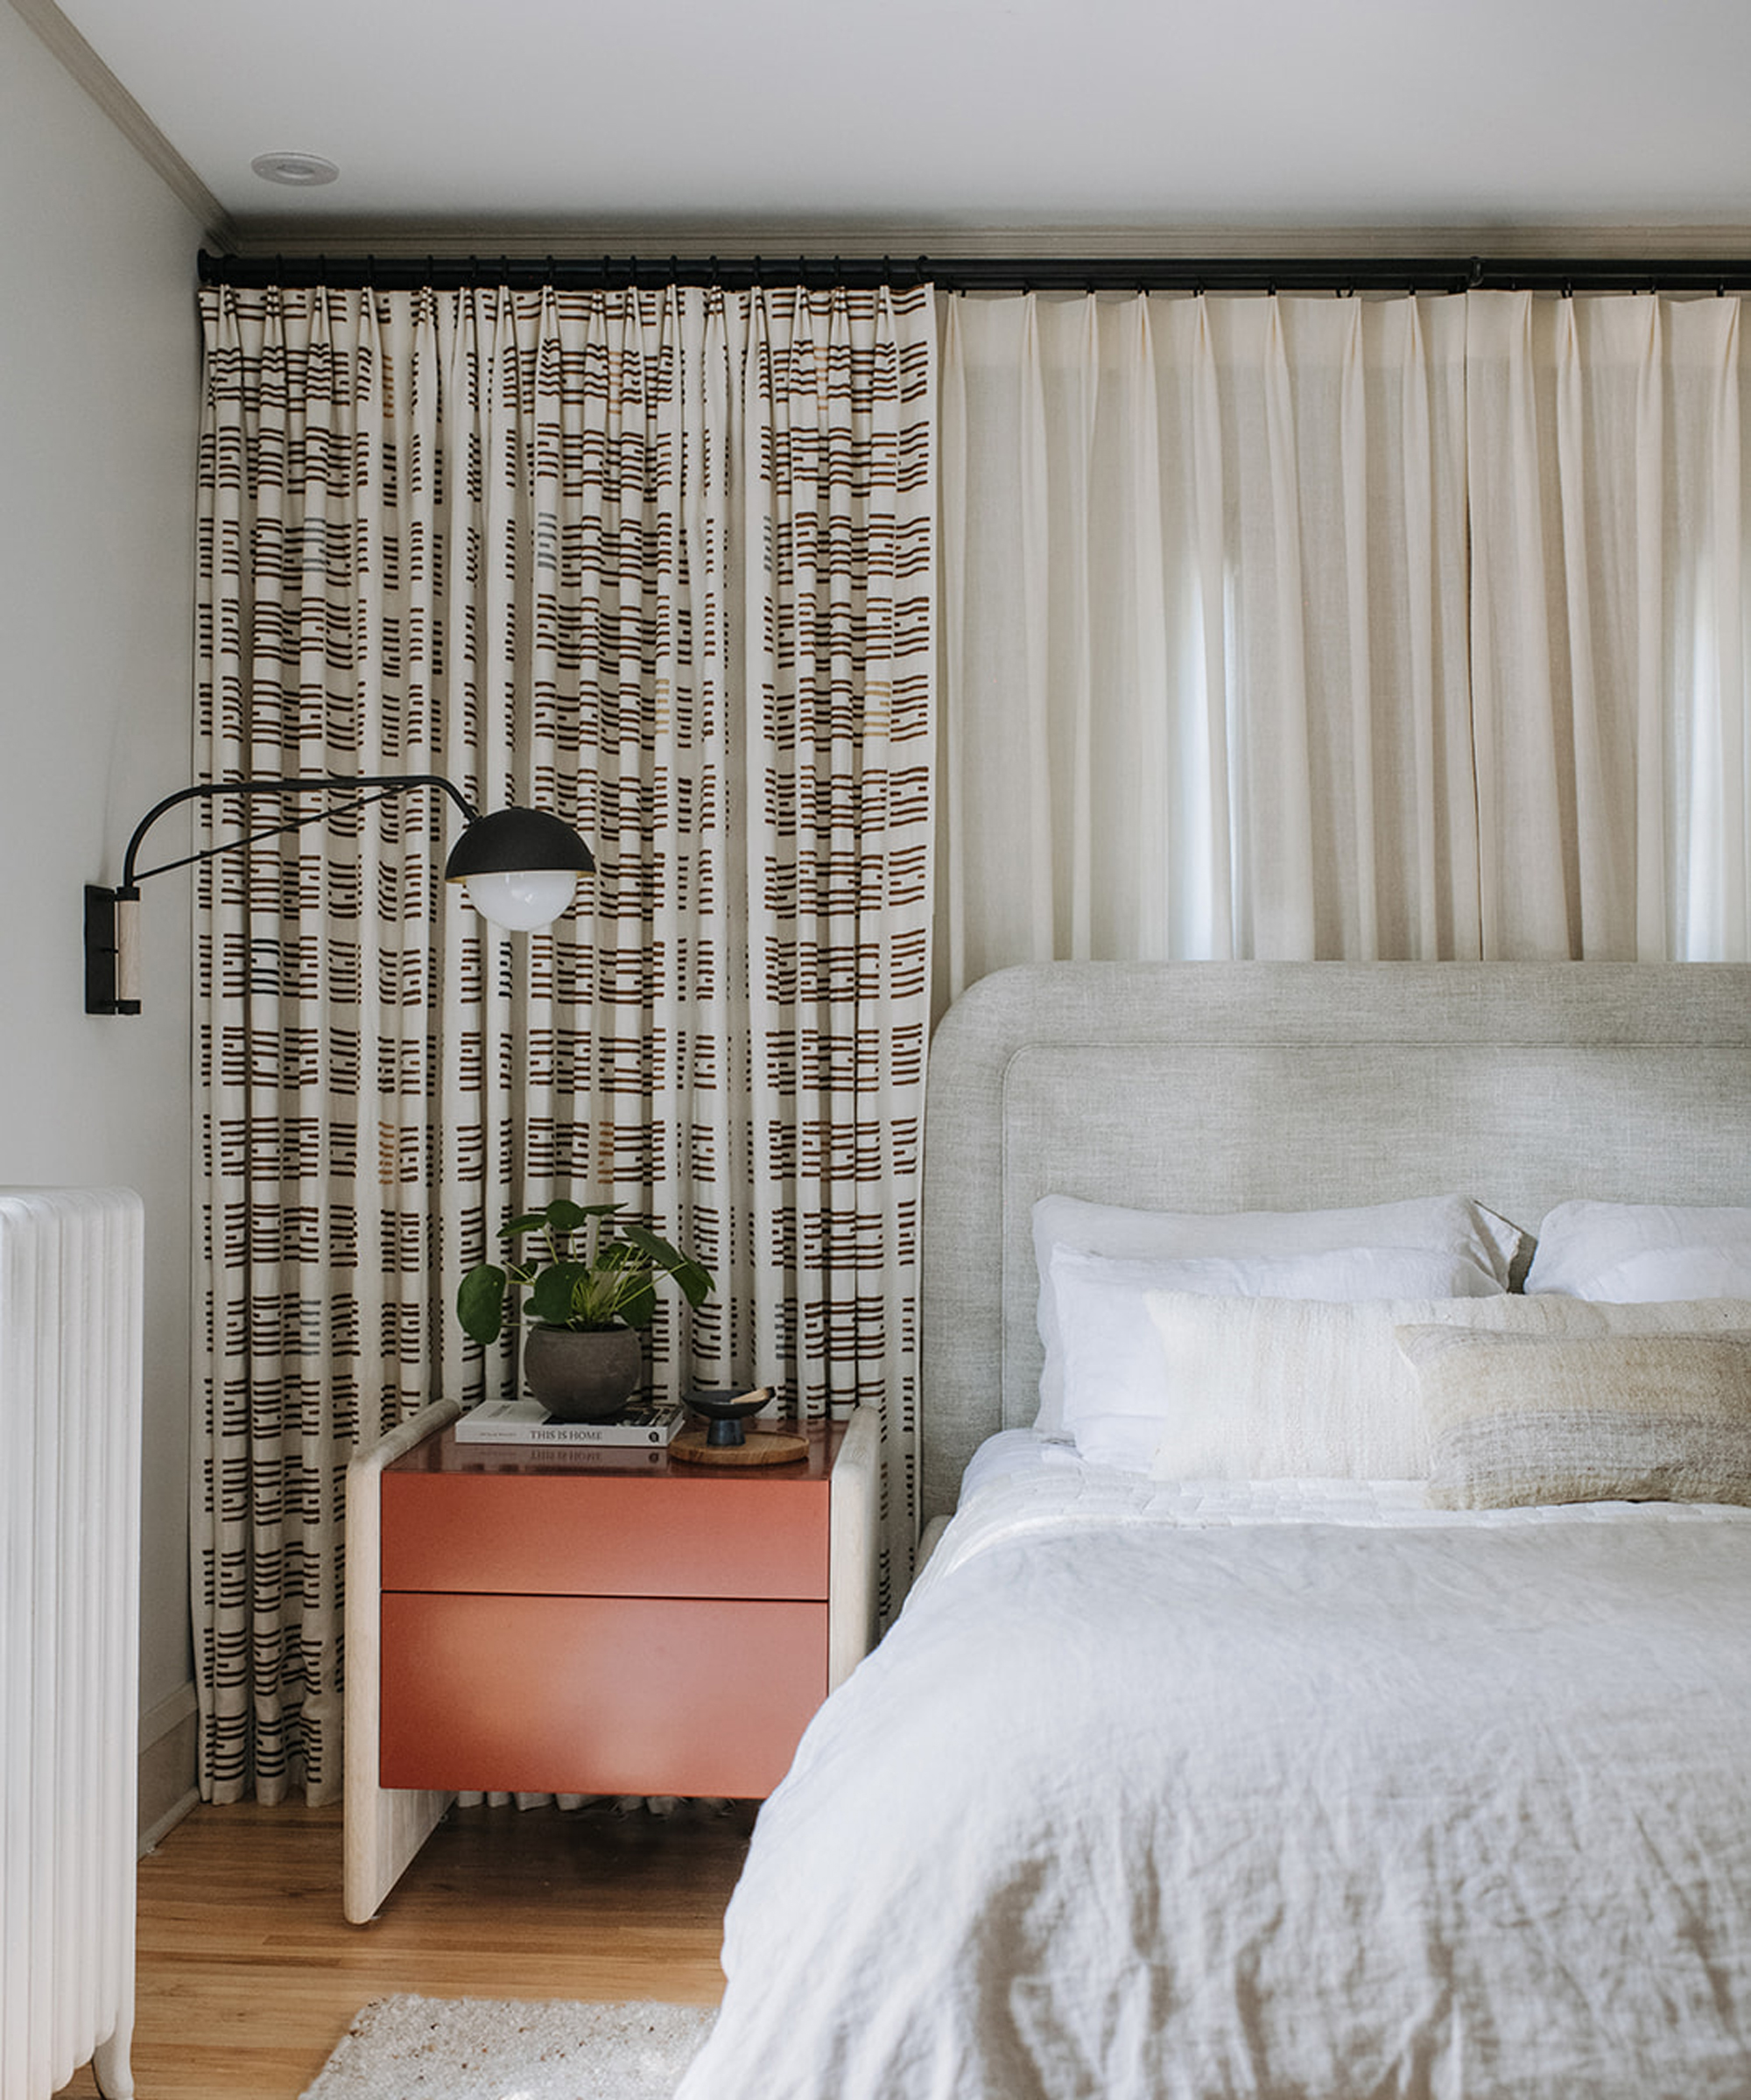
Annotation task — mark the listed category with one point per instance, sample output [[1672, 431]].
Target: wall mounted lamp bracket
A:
[[111, 984], [519, 866]]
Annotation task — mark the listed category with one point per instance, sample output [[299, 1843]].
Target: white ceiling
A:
[[947, 120]]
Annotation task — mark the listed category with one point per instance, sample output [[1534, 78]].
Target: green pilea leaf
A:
[[479, 1302], [552, 1294]]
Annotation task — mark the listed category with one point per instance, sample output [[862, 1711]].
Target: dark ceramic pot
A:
[[582, 1375]]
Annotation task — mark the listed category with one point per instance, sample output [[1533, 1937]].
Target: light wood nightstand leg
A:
[[852, 1515], [383, 1827]]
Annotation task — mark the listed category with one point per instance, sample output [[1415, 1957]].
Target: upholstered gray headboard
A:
[[1221, 1086]]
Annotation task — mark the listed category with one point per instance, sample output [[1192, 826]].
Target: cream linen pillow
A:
[[1437, 1225], [1532, 1418], [1267, 1388], [1112, 1355]]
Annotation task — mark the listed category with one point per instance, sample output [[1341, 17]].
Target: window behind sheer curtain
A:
[[1302, 626]]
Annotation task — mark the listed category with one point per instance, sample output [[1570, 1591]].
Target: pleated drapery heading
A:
[[1337, 275]]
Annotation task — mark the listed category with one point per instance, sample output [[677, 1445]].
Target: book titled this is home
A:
[[528, 1422]]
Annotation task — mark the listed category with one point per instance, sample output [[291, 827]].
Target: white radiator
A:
[[70, 1287]]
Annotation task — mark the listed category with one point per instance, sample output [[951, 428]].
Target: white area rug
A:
[[482, 2049]]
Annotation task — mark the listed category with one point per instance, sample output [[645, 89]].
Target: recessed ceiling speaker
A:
[[301, 171]]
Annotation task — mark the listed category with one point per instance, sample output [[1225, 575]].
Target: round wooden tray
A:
[[759, 1447]]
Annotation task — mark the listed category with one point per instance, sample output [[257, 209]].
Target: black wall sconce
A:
[[519, 866]]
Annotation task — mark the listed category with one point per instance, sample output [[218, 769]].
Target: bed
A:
[[1361, 1704]]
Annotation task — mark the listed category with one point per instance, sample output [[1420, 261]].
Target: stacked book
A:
[[638, 1426]]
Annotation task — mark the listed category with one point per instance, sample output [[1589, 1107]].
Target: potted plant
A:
[[591, 1286]]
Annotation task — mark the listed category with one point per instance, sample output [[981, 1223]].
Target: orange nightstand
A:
[[551, 1621]]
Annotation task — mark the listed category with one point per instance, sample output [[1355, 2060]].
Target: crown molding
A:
[[89, 71]]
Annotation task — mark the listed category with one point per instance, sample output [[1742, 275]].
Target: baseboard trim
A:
[[167, 1789], [156, 1832]]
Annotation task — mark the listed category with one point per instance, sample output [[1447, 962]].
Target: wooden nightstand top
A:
[[442, 1454]]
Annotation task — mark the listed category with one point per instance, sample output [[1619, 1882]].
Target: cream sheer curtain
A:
[[662, 561], [1608, 482], [1301, 626]]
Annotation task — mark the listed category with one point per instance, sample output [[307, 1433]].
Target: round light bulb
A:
[[523, 899]]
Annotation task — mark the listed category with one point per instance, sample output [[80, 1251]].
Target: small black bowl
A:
[[726, 1411]]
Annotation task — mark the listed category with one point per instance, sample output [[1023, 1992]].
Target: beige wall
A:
[[99, 350]]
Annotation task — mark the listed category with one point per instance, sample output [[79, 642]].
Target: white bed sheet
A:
[[1171, 1791], [1021, 1485]]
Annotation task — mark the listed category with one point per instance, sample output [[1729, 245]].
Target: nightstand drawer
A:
[[570, 1695], [615, 1535]]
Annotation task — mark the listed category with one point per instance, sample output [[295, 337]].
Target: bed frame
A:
[[1225, 1086]]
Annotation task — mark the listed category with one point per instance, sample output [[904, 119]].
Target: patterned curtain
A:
[[661, 561]]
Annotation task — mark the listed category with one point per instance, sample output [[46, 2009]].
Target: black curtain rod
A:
[[1338, 275]]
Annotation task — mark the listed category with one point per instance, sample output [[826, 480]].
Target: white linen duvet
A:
[[1162, 1792]]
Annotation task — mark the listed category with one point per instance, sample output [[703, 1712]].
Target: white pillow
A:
[[1274, 1388], [1109, 1350], [1633, 1253], [1440, 1224]]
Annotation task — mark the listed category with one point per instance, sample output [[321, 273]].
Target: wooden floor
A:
[[249, 1975]]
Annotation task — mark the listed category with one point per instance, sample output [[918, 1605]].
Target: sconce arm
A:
[[386, 784], [112, 945]]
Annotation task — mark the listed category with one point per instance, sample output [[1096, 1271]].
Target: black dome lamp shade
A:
[[520, 867]]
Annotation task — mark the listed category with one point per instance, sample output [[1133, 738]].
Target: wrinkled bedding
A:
[[1164, 1792]]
